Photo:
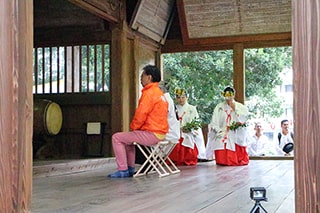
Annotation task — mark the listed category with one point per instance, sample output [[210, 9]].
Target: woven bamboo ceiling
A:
[[169, 22], [214, 18]]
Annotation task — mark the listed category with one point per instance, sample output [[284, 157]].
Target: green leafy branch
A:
[[194, 124], [235, 125]]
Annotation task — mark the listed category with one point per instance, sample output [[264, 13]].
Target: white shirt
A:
[[257, 146], [283, 141]]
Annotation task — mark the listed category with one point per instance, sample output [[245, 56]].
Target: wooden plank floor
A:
[[202, 188]]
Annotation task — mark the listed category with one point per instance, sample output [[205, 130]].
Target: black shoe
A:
[[203, 160]]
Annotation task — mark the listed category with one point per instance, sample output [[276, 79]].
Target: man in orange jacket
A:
[[149, 124]]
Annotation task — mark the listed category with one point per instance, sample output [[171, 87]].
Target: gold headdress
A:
[[227, 94], [180, 92]]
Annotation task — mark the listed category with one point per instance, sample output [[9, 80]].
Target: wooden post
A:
[[16, 105], [239, 72], [306, 70], [118, 117], [129, 54]]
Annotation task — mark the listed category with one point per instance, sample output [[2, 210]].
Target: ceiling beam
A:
[[46, 37], [106, 9]]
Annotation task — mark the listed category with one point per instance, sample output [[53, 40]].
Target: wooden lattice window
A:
[[71, 69]]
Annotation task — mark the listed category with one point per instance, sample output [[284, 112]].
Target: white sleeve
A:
[[217, 124]]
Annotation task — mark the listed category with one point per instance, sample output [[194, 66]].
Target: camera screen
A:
[[258, 194]]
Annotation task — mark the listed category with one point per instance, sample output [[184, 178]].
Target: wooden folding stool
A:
[[156, 157]]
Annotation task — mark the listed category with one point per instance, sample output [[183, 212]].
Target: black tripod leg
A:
[[265, 211], [255, 209]]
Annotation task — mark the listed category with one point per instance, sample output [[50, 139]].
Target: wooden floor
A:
[[202, 188]]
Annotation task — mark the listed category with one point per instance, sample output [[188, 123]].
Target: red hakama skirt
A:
[[182, 155], [226, 157]]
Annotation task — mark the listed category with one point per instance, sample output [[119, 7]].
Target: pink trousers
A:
[[124, 149]]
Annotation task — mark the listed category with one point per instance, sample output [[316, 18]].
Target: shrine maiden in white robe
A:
[[218, 135], [186, 114]]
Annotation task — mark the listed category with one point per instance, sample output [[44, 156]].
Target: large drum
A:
[[47, 117]]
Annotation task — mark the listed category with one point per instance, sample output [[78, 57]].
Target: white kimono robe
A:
[[186, 114], [222, 117], [174, 124]]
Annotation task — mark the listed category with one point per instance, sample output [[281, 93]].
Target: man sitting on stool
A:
[[173, 121]]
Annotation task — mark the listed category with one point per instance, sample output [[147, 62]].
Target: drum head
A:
[[53, 118]]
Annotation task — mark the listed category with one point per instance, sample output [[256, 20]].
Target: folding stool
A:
[[156, 157]]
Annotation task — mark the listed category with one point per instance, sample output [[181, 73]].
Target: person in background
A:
[[191, 147], [173, 121], [149, 124], [227, 131], [257, 143], [173, 117], [284, 137]]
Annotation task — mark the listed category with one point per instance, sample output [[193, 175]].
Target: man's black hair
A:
[[153, 71], [285, 120], [279, 134]]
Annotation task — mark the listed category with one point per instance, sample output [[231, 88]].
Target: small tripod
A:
[[256, 208]]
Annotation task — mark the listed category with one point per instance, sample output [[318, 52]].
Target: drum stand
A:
[[256, 208]]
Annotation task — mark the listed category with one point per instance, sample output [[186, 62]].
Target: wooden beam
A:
[[240, 39], [45, 37], [239, 72], [172, 46], [183, 21], [106, 9]]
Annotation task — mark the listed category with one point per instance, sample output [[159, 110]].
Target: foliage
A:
[[205, 74], [237, 125], [263, 69], [194, 124]]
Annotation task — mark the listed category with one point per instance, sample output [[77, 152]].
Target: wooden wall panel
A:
[[306, 67], [16, 105], [77, 109]]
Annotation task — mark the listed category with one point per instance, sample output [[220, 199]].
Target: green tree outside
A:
[[205, 74]]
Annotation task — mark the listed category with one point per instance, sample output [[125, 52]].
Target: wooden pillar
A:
[[16, 105], [306, 70], [122, 70], [129, 54], [239, 72]]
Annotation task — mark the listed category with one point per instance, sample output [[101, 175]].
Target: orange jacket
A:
[[151, 114]]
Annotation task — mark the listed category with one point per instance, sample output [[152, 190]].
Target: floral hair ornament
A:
[[227, 94], [180, 92]]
